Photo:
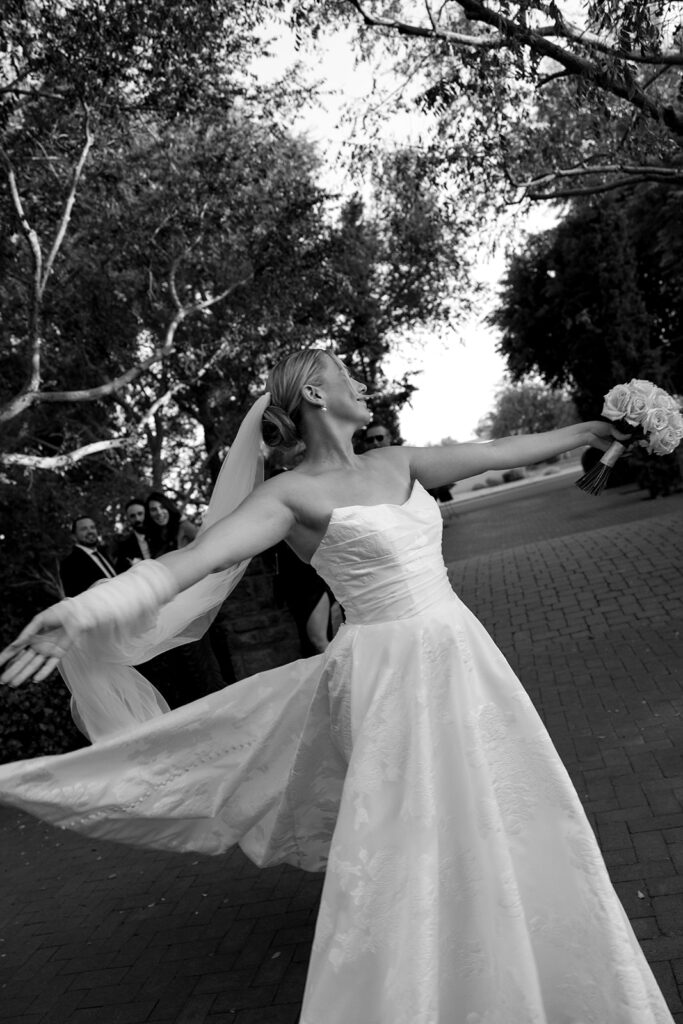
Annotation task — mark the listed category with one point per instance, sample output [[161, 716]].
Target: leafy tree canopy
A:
[[155, 258], [530, 99], [597, 300], [527, 407]]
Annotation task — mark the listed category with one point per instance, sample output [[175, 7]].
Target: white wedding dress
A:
[[464, 884]]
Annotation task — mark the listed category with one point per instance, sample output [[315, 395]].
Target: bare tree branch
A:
[[587, 190], [617, 81], [93, 394], [164, 399], [565, 29], [57, 462], [628, 175], [88, 140], [31, 92], [41, 270], [403, 28], [31, 236]]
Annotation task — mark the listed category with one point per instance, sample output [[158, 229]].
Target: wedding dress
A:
[[463, 882]]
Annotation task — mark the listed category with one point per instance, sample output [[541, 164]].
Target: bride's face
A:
[[344, 396]]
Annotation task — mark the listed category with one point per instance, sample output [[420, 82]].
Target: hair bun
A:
[[279, 429]]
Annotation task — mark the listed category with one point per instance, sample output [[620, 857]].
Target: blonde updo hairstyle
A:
[[282, 418]]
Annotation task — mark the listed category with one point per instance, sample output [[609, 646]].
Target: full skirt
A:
[[463, 883]]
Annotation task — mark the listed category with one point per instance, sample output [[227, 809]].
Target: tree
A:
[[527, 407], [68, 77], [596, 300], [527, 97]]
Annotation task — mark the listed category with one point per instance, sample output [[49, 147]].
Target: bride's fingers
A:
[[22, 640], [47, 669], [23, 668], [10, 652], [20, 659]]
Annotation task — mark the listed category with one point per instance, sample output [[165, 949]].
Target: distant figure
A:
[[85, 564], [133, 546], [296, 584], [310, 601], [185, 673], [165, 528], [377, 435]]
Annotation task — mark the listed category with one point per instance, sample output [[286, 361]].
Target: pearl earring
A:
[[323, 408]]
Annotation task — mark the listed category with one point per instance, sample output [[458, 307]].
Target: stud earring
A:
[[323, 408]]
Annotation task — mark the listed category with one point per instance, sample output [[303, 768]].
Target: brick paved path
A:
[[94, 932]]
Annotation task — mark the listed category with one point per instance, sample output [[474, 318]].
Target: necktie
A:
[[104, 565]]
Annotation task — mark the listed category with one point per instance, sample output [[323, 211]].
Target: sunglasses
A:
[[375, 437]]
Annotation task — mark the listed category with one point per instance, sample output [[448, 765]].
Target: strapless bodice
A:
[[384, 562]]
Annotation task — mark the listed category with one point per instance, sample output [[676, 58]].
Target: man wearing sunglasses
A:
[[377, 436]]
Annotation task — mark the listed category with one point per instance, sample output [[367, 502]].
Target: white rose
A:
[[616, 402], [660, 400], [676, 421], [638, 406], [643, 387], [656, 419], [666, 442]]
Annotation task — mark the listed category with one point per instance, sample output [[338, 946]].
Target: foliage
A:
[[539, 100], [597, 300], [181, 210], [173, 207], [35, 720], [125, 55], [527, 407]]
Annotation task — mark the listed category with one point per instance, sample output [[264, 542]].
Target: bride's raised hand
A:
[[602, 434], [40, 647]]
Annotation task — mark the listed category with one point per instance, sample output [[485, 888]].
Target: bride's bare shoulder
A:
[[298, 491]]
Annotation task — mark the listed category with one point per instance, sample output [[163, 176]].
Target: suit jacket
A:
[[126, 551], [79, 571]]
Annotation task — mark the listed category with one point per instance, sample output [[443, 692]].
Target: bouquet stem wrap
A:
[[595, 479]]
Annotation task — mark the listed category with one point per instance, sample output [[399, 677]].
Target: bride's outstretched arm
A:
[[261, 521], [436, 466], [258, 523]]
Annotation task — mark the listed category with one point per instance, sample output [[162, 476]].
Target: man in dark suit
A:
[[86, 563], [133, 546]]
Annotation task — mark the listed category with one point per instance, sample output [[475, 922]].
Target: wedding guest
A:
[[309, 600], [133, 546], [86, 563], [164, 526], [296, 584], [195, 669], [377, 435]]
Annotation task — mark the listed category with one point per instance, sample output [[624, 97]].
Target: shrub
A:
[[35, 720], [511, 475]]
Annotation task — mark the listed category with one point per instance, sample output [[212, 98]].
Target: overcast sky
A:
[[461, 370]]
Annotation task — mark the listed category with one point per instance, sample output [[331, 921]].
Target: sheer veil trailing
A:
[[108, 695]]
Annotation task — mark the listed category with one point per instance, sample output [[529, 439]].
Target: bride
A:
[[463, 882]]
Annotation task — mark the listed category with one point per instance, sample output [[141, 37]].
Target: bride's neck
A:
[[329, 450]]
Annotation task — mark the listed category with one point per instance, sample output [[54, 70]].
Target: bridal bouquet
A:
[[648, 414]]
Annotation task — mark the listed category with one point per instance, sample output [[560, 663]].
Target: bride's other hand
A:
[[40, 647]]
